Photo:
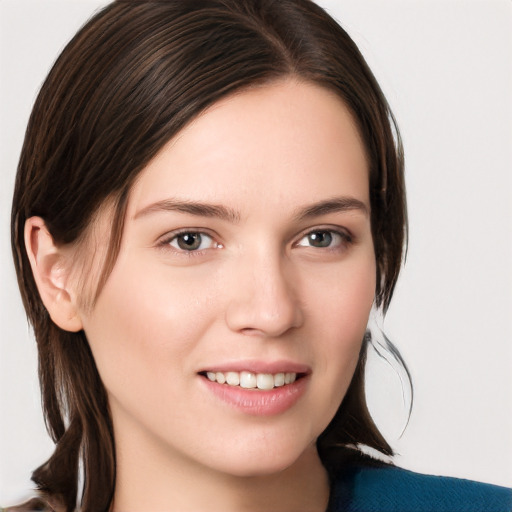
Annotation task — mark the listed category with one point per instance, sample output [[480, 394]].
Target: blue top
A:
[[384, 488], [392, 489]]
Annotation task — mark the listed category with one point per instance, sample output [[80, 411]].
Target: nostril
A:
[[253, 319], [250, 331]]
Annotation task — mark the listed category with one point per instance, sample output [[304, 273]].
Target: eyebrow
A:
[[191, 207], [333, 205]]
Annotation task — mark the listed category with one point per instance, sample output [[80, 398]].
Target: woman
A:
[[195, 178]]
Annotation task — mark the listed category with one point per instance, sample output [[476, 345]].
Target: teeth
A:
[[264, 381], [232, 378], [289, 378], [279, 380], [249, 380]]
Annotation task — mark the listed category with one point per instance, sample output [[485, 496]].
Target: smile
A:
[[258, 393], [250, 380]]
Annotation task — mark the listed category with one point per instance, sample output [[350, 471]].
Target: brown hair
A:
[[129, 81]]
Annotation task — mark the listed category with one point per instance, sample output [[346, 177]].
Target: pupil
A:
[[189, 241], [320, 239]]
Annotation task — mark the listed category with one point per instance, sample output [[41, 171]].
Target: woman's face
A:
[[247, 255]]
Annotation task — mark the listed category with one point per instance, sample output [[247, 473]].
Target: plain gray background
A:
[[446, 68]]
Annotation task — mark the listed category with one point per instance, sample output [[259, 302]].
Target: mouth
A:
[[251, 380], [258, 388]]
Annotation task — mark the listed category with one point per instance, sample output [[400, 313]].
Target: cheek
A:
[[341, 298], [338, 306], [143, 326]]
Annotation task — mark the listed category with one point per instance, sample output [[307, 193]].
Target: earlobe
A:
[[51, 272]]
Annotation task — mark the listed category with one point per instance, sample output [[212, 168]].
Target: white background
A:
[[446, 68]]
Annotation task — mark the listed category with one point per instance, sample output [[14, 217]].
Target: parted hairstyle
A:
[[129, 81]]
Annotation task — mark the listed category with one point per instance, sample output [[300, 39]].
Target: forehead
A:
[[287, 142]]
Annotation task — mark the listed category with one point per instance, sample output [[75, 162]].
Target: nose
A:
[[264, 301]]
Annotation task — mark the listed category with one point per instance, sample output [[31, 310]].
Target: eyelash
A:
[[174, 236], [346, 239]]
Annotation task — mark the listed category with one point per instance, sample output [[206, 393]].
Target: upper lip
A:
[[254, 366]]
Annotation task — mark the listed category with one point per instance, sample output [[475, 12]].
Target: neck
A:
[[147, 482]]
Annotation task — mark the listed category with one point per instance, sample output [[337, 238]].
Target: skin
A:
[[257, 289]]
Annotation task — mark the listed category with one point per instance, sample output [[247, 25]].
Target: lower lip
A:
[[257, 402]]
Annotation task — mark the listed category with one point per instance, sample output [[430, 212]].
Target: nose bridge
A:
[[264, 299]]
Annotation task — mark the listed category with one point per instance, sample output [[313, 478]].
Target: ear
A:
[[51, 272]]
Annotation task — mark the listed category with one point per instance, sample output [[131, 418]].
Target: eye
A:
[[324, 239], [192, 241]]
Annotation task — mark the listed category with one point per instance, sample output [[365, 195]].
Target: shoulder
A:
[[36, 505], [390, 489]]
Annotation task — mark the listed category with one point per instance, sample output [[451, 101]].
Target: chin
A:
[[265, 468], [270, 459]]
